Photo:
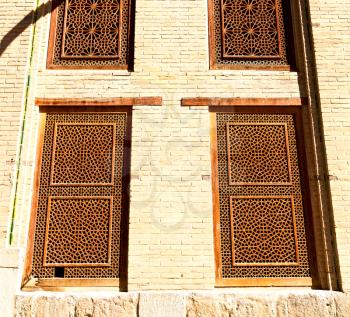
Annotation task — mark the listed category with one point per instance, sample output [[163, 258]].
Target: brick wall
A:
[[171, 230], [15, 30], [330, 25]]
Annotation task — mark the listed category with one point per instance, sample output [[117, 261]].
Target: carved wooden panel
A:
[[247, 32], [83, 154], [78, 231], [260, 203], [90, 33], [91, 29], [80, 205], [258, 154], [250, 29], [263, 231]]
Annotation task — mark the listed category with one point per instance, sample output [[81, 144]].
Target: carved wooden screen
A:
[[90, 34], [247, 32], [81, 197], [259, 200]]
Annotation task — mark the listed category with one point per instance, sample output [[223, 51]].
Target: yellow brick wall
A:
[[331, 28], [171, 229], [15, 29]]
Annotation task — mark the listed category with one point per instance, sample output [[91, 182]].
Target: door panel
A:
[[258, 200], [80, 204]]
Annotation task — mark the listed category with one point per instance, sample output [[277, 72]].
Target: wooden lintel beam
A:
[[121, 101], [198, 101]]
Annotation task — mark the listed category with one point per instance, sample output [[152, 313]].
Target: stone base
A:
[[271, 302]]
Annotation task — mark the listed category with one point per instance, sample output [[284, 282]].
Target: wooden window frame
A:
[[271, 281], [289, 39], [47, 106], [258, 105], [129, 64]]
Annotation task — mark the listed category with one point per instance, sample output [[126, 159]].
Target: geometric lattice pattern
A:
[[78, 224], [78, 231], [83, 154], [250, 28], [248, 32], [90, 33], [258, 154], [91, 28], [263, 230]]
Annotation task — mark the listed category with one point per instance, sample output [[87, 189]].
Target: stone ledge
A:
[[262, 302]]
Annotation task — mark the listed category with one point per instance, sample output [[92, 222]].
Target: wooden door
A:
[[259, 206], [82, 200]]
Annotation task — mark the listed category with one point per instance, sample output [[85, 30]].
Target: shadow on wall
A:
[[31, 18]]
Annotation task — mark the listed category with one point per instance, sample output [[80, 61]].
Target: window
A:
[[260, 197], [249, 33], [90, 34], [81, 200]]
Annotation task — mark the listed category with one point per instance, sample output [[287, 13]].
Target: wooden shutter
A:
[[248, 33], [258, 199], [90, 34], [82, 195]]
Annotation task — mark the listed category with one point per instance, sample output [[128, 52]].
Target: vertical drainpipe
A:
[[22, 128]]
